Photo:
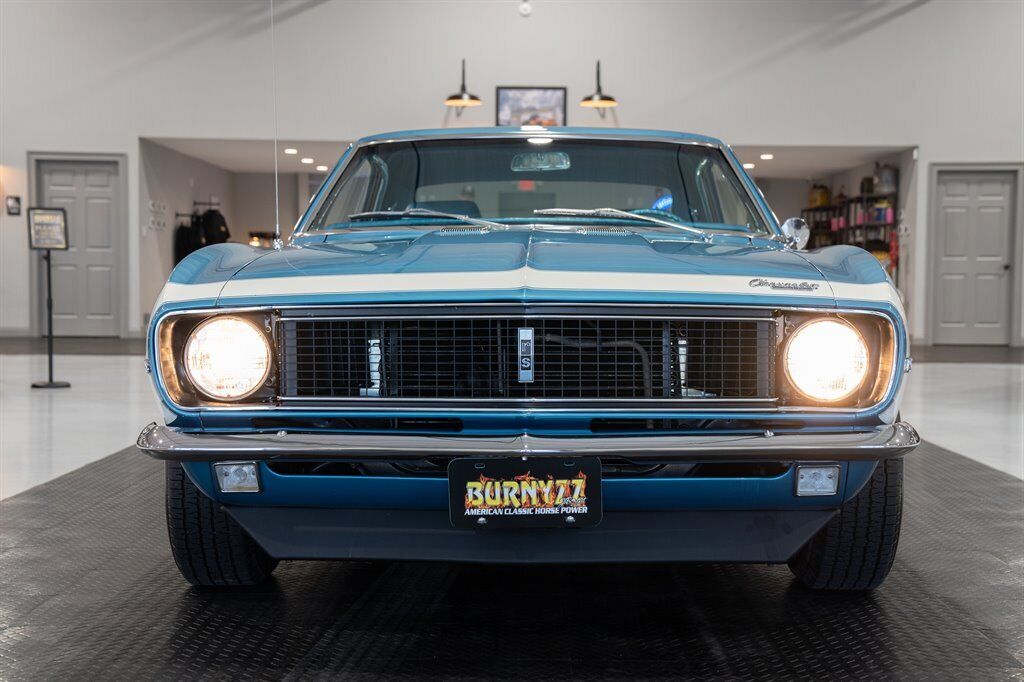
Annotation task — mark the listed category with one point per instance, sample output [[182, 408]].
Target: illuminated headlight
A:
[[826, 360], [227, 358]]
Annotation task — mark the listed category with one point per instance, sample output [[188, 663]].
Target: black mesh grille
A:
[[478, 358]]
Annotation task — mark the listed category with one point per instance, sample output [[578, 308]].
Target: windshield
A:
[[509, 179]]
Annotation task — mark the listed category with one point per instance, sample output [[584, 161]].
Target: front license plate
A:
[[535, 492]]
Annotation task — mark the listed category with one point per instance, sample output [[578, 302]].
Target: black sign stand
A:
[[49, 329]]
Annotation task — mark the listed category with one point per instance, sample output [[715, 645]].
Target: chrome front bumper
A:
[[880, 442]]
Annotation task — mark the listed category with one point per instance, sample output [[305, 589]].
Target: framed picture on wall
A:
[[524, 106], [47, 229]]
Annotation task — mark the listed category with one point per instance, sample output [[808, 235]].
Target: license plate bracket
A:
[[525, 492]]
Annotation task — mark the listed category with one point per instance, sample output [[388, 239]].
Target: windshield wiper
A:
[[425, 213], [619, 213]]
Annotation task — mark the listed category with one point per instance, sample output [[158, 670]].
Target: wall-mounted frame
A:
[[519, 105], [47, 229]]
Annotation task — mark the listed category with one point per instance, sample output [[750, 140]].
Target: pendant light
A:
[[462, 99], [599, 100]]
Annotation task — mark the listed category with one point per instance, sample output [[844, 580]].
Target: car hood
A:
[[528, 265]]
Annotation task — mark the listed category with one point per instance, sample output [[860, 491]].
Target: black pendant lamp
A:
[[462, 99], [598, 100]]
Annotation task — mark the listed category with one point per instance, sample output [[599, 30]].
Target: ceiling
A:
[[808, 163], [255, 156]]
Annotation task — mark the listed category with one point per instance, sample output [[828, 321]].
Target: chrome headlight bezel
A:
[[175, 330], [880, 333]]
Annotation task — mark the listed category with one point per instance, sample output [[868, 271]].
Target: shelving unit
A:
[[869, 221]]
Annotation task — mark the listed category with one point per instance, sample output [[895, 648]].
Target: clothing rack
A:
[[196, 205], [204, 226]]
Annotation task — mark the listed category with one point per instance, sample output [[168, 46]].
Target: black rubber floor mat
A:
[[88, 590]]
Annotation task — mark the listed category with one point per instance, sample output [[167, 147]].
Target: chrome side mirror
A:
[[796, 232]]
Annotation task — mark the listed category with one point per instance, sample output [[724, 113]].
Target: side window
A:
[[355, 192], [722, 199], [709, 206], [733, 203], [359, 190], [713, 191]]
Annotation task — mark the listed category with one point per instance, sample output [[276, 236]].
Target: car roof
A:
[[526, 131]]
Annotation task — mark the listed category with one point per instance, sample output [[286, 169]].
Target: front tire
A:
[[856, 549], [209, 547]]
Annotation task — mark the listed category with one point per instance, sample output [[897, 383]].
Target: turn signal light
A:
[[237, 477], [817, 480]]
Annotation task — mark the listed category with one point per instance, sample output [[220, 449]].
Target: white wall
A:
[[176, 180], [787, 197], [944, 76], [253, 202]]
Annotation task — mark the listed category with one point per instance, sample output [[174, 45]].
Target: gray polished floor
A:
[[72, 345], [974, 409], [48, 432]]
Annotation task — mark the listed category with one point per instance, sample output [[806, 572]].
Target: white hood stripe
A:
[[524, 278]]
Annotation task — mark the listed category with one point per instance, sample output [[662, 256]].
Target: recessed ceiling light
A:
[[748, 166], [291, 150], [767, 157], [321, 168], [306, 159]]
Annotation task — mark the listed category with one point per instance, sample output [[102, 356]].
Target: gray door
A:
[[974, 248], [86, 277]]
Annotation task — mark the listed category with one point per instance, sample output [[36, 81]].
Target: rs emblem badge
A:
[[525, 355]]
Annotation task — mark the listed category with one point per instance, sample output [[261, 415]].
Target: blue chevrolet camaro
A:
[[533, 345]]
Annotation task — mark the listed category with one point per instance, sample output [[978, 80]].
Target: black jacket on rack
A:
[[202, 230], [188, 237], [215, 228]]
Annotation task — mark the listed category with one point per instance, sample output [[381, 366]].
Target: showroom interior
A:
[[896, 126]]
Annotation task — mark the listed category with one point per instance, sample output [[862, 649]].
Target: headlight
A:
[[227, 358], [826, 360]]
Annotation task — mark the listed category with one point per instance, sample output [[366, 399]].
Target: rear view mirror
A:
[[540, 161]]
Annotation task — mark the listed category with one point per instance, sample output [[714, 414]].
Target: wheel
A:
[[209, 547], [856, 549]]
